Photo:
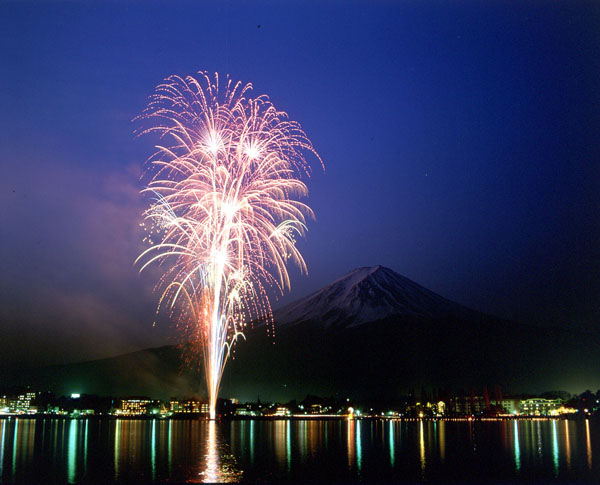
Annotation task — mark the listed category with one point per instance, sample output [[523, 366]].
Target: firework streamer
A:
[[225, 189]]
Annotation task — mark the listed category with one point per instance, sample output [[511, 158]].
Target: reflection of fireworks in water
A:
[[218, 465], [225, 209], [211, 473]]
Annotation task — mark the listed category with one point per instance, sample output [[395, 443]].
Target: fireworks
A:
[[225, 208]]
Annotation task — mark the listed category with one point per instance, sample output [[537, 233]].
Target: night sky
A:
[[461, 142]]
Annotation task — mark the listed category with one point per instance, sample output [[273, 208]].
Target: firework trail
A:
[[225, 188]]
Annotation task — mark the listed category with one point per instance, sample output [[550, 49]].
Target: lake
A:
[[111, 450]]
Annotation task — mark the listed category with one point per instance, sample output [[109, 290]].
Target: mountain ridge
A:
[[371, 332]]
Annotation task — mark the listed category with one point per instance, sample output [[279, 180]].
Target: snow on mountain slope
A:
[[365, 295]]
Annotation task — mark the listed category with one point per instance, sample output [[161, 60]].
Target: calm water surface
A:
[[75, 451]]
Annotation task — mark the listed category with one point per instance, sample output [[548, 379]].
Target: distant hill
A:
[[370, 334], [157, 372]]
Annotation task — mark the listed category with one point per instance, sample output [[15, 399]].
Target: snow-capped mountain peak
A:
[[364, 295]]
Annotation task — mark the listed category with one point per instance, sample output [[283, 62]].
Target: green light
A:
[[85, 441], [555, 448], [15, 442], [169, 445], [153, 450], [358, 446], [252, 437], [72, 453], [391, 443], [517, 449]]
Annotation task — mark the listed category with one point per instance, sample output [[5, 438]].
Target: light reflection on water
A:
[[85, 447], [351, 445], [211, 466], [567, 445], [422, 446], [117, 447], [153, 448], [442, 441], [251, 440], [288, 445], [170, 447], [2, 440], [219, 466], [358, 446], [391, 440], [555, 448], [15, 443], [588, 443], [210, 451], [279, 440], [72, 454], [517, 446]]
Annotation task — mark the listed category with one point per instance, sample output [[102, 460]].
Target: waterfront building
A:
[[537, 406], [245, 411], [135, 406], [469, 405], [316, 409], [24, 401], [511, 405], [282, 411], [174, 405], [190, 406], [439, 408]]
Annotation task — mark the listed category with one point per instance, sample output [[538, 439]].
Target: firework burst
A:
[[225, 185]]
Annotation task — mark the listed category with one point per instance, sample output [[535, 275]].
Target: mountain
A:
[[374, 334], [371, 334], [366, 295]]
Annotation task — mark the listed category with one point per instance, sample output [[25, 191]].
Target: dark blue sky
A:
[[461, 144]]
